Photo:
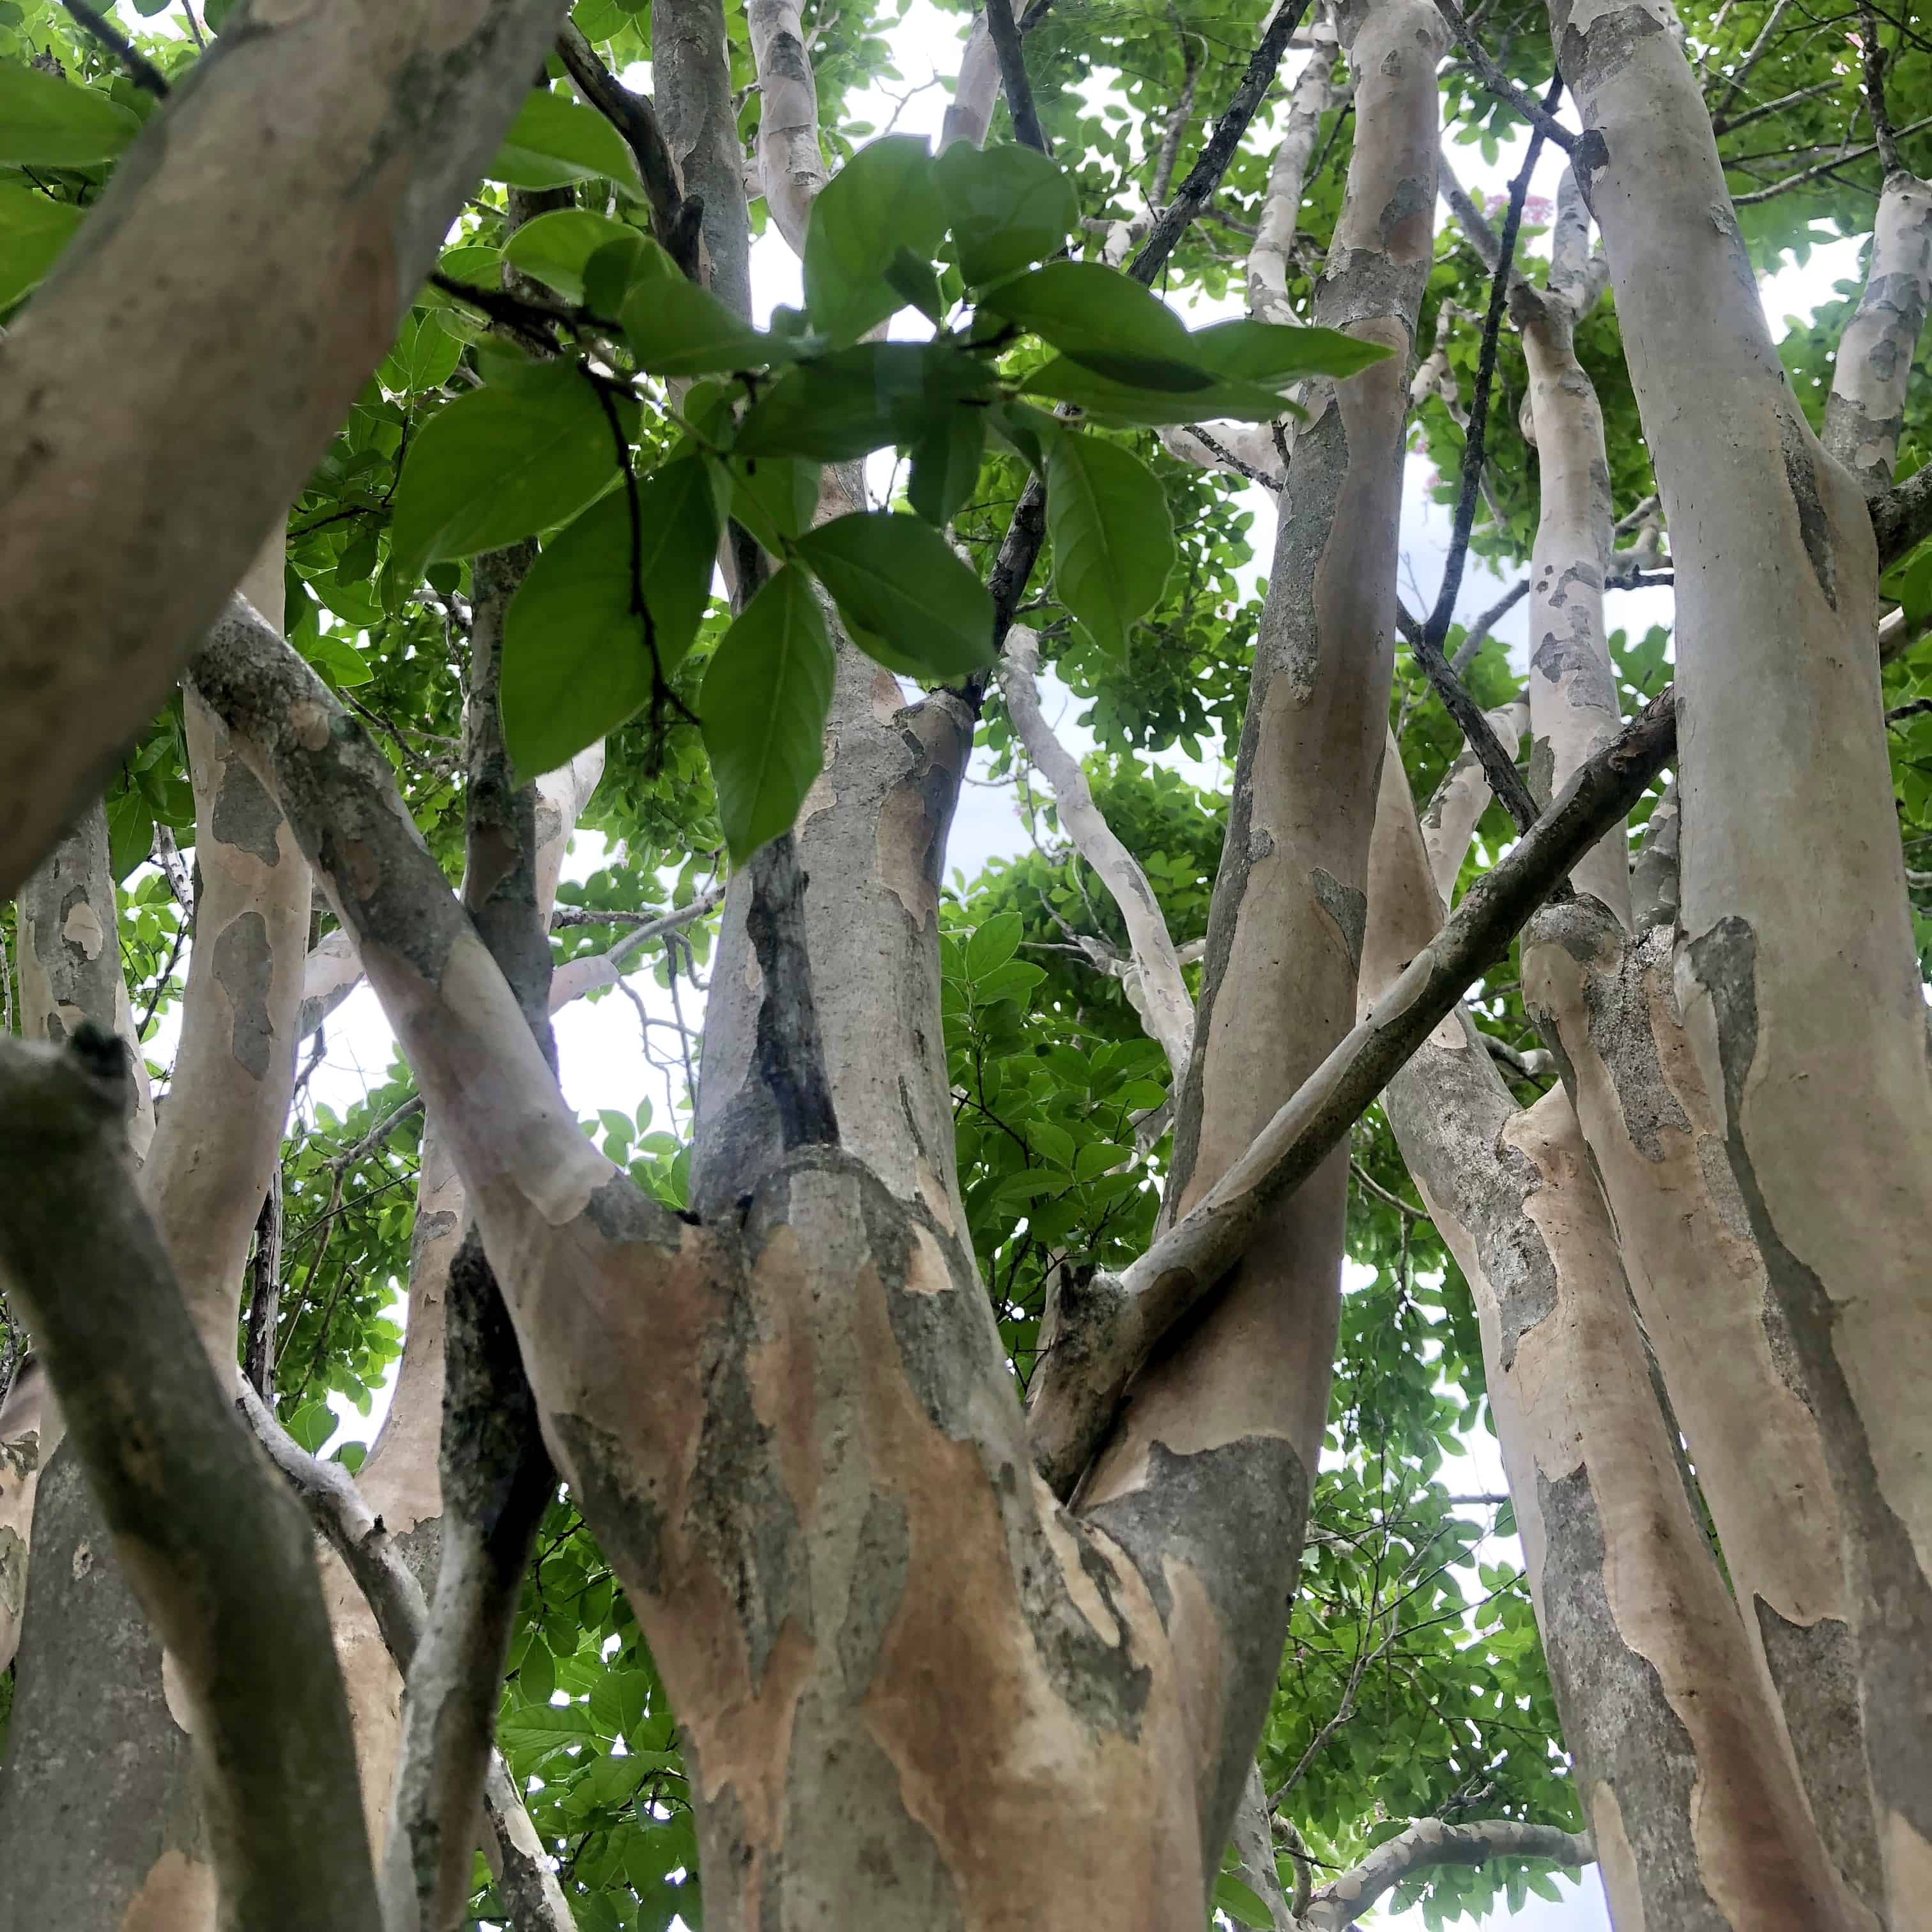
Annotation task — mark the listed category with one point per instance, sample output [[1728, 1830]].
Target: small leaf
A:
[[842, 407], [764, 703], [1111, 532], [575, 666], [1234, 1898], [881, 201], [33, 231], [503, 462], [774, 497], [312, 1425], [915, 279], [675, 328], [554, 248], [1006, 206], [46, 122], [343, 663], [994, 941], [1272, 352], [130, 831], [554, 141], [946, 464], [897, 580], [1129, 404]]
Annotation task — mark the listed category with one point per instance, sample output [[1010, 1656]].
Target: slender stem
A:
[[1499, 83], [1005, 33], [141, 70]]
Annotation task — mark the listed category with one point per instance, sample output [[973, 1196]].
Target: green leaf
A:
[[881, 201], [425, 357], [675, 328], [342, 662], [554, 141], [575, 666], [946, 464], [503, 462], [897, 580], [312, 1425], [916, 281], [608, 275], [1268, 352], [48, 122], [774, 497], [554, 248], [1006, 206], [842, 407], [33, 231], [994, 941], [1241, 1904], [130, 831], [1112, 536], [1104, 319], [1108, 401], [764, 704], [1024, 429]]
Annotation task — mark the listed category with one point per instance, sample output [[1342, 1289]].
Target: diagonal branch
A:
[[634, 117], [1541, 120], [1166, 1008], [219, 1558], [141, 70], [1434, 1841], [1110, 1326]]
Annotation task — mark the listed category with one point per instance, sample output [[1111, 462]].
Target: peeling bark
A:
[[29, 1426], [1449, 820], [790, 164], [691, 82], [1696, 1812], [295, 241], [1431, 1841], [1206, 1480], [1834, 1170], [1315, 91]]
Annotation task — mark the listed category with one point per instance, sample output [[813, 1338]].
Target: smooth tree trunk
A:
[[1699, 1821], [1810, 1028]]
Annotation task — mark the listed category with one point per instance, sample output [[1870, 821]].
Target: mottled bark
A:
[[1432, 1841], [69, 956], [1573, 708], [219, 1557], [293, 242], [1254, 1845], [824, 1520], [1784, 774], [1158, 993], [692, 82], [1206, 1481], [1865, 414], [1697, 1816], [1315, 92], [1449, 820], [976, 92], [29, 1422], [790, 164]]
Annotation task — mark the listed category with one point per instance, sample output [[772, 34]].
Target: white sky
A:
[[602, 1060]]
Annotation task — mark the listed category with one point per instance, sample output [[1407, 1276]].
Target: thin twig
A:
[[1499, 83], [1000, 23], [141, 70], [1825, 167]]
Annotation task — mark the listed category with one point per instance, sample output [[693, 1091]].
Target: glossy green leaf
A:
[[33, 231], [503, 462], [48, 122], [1272, 352], [425, 357], [130, 830], [946, 462], [575, 663], [841, 407], [1103, 319], [311, 1425], [994, 942], [337, 658], [883, 199], [675, 328], [1240, 1903], [1112, 536], [1128, 404], [896, 580], [609, 270], [555, 140], [764, 703], [1007, 205], [774, 497], [554, 248]]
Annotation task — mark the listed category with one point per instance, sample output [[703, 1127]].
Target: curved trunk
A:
[[1206, 1481], [1699, 1820], [1812, 1029]]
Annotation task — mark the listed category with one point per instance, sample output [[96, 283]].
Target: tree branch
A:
[[220, 1560], [1000, 23], [1433, 1841], [1167, 1009], [1540, 120], [1110, 1325], [141, 70], [1902, 516], [634, 117], [791, 166]]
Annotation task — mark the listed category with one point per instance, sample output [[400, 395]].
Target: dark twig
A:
[[1873, 54], [633, 118], [1005, 34], [1499, 83], [1902, 516], [1479, 631], [1825, 167], [1498, 766], [265, 1276], [141, 70]]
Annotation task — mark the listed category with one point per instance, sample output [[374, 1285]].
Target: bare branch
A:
[[141, 70], [1167, 1009], [1110, 1325], [1005, 34], [1433, 1841], [633, 118], [219, 1558], [1871, 53], [1540, 119], [1314, 94], [790, 165]]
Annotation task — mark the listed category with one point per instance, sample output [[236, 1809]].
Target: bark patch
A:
[[1814, 526], [244, 970], [245, 816], [1348, 907]]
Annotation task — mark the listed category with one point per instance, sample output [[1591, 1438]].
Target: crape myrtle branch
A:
[[1025, 117], [1111, 1324], [340, 1516], [141, 70], [672, 220], [1541, 120], [220, 1559], [1433, 1841]]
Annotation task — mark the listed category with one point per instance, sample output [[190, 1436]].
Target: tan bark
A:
[[1694, 1806], [267, 255], [29, 1419], [1786, 788], [1226, 1425], [1315, 91], [1449, 821], [790, 164]]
